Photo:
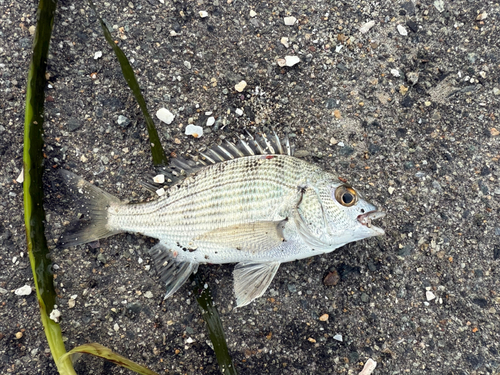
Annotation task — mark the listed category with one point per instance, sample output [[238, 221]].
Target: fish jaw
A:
[[366, 220]]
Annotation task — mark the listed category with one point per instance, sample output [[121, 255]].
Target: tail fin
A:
[[93, 203]]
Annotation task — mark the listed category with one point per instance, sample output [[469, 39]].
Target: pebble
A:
[[159, 179], [496, 91], [439, 5], [429, 295], [123, 121], [19, 335], [369, 367], [148, 294], [3, 291], [291, 60], [338, 337], [73, 124], [71, 303], [391, 190], [284, 41], [165, 115], [160, 192], [482, 16], [412, 78], [494, 132], [395, 72], [210, 121], [20, 178], [194, 130], [97, 55], [116, 327], [55, 314], [252, 13], [239, 112], [324, 317], [290, 21], [402, 30], [203, 14], [332, 278], [240, 86], [23, 291], [367, 26], [187, 64], [32, 30]]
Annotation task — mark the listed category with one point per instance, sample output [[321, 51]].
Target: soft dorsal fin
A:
[[267, 144]]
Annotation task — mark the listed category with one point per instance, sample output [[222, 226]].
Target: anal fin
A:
[[172, 272], [251, 280]]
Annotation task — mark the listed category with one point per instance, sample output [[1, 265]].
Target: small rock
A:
[[101, 258], [402, 30], [290, 21], [412, 78], [365, 297], [240, 86], [187, 64], [292, 288], [148, 294], [332, 278], [367, 26], [324, 317], [291, 60], [496, 91], [439, 5], [281, 62], [482, 16], [369, 367], [395, 72], [116, 327], [429, 295], [97, 55], [71, 303], [123, 121], [73, 124], [391, 190], [23, 291], [210, 121], [203, 14], [284, 41], [32, 29], [20, 178], [194, 130], [494, 132], [55, 314], [19, 335], [239, 112], [338, 337], [160, 192], [159, 179], [252, 13], [412, 25], [165, 115]]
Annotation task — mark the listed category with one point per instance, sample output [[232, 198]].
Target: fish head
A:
[[348, 215]]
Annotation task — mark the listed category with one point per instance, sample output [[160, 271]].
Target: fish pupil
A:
[[347, 198]]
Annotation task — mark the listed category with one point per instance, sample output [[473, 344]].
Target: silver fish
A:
[[253, 204]]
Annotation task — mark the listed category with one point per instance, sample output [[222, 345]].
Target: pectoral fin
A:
[[251, 280], [251, 237]]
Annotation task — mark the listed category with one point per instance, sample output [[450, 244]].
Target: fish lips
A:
[[366, 220]]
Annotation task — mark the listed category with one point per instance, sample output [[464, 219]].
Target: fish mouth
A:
[[366, 220]]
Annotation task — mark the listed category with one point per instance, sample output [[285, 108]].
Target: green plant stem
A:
[[159, 157], [34, 214]]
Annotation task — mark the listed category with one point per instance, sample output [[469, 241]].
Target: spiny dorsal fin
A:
[[266, 144]]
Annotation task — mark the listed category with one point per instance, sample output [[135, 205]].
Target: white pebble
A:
[[159, 178], [391, 190], [20, 178], [291, 60], [187, 64], [189, 340], [368, 368], [160, 192], [194, 130], [395, 72], [210, 121], [71, 303], [23, 291], [252, 13], [482, 16], [341, 144], [240, 86], [338, 337], [203, 14], [290, 21], [338, 47], [281, 62], [148, 294], [239, 112], [367, 26], [429, 295], [116, 327], [97, 55], [55, 314], [402, 30], [284, 41], [165, 115]]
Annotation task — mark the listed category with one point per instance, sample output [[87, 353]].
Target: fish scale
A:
[[248, 206]]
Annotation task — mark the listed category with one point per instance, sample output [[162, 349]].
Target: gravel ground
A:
[[406, 111]]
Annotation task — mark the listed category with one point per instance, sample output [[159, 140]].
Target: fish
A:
[[252, 203]]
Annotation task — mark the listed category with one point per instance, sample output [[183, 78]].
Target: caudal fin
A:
[[93, 203]]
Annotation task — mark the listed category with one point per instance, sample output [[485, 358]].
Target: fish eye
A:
[[346, 195]]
